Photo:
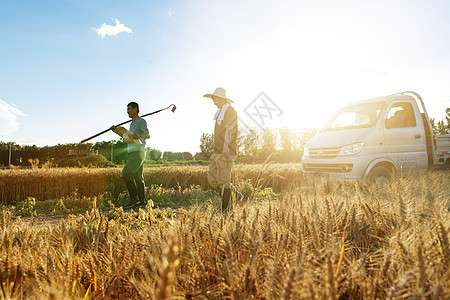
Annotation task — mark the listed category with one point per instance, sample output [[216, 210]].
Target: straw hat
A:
[[219, 92]]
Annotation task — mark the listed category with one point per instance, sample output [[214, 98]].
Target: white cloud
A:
[[8, 117], [105, 30]]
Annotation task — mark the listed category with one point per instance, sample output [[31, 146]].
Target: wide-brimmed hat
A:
[[219, 92]]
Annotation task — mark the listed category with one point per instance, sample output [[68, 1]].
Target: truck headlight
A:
[[351, 149]]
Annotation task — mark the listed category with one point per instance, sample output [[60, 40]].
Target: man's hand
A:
[[113, 128], [145, 134], [226, 155]]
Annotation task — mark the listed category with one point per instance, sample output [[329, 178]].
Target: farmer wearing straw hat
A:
[[225, 147], [132, 172]]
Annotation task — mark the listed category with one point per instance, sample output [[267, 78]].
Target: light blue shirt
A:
[[137, 127]]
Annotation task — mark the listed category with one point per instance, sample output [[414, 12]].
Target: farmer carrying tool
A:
[[135, 138], [132, 173], [225, 148]]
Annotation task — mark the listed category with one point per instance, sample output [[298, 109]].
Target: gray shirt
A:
[[137, 127]]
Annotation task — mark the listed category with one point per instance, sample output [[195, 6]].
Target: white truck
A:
[[375, 138]]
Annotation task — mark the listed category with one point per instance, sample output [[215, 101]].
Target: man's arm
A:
[[230, 140], [144, 128], [145, 133]]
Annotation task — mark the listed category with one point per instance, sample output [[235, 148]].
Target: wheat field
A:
[[51, 183], [317, 239]]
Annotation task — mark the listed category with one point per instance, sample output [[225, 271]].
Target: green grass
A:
[[157, 197]]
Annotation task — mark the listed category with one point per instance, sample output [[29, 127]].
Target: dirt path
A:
[[41, 220]]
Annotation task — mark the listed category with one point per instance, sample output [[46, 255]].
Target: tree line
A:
[[255, 145], [113, 151]]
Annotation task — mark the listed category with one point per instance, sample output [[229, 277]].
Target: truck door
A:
[[405, 137]]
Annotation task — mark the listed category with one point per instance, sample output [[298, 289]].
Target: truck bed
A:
[[443, 149]]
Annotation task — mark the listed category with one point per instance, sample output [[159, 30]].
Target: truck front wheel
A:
[[380, 174]]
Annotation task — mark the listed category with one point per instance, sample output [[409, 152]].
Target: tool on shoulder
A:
[[121, 130]]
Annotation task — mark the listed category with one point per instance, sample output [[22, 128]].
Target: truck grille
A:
[[324, 152], [341, 168]]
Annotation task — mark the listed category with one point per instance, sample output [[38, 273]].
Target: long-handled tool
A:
[[152, 113]]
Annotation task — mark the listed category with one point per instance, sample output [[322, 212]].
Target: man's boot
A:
[[226, 197], [141, 192], [132, 190]]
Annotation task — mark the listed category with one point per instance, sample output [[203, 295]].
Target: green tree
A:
[[168, 155], [104, 148], [240, 138], [186, 156], [154, 154], [269, 143], [250, 142], [442, 126], [206, 145], [286, 139], [288, 152], [303, 136]]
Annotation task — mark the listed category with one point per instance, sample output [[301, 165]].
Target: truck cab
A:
[[373, 139]]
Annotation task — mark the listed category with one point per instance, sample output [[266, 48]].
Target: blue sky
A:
[[60, 81]]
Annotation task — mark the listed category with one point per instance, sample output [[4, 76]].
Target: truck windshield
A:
[[356, 116]]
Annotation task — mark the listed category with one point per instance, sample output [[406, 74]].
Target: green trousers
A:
[[133, 170]]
